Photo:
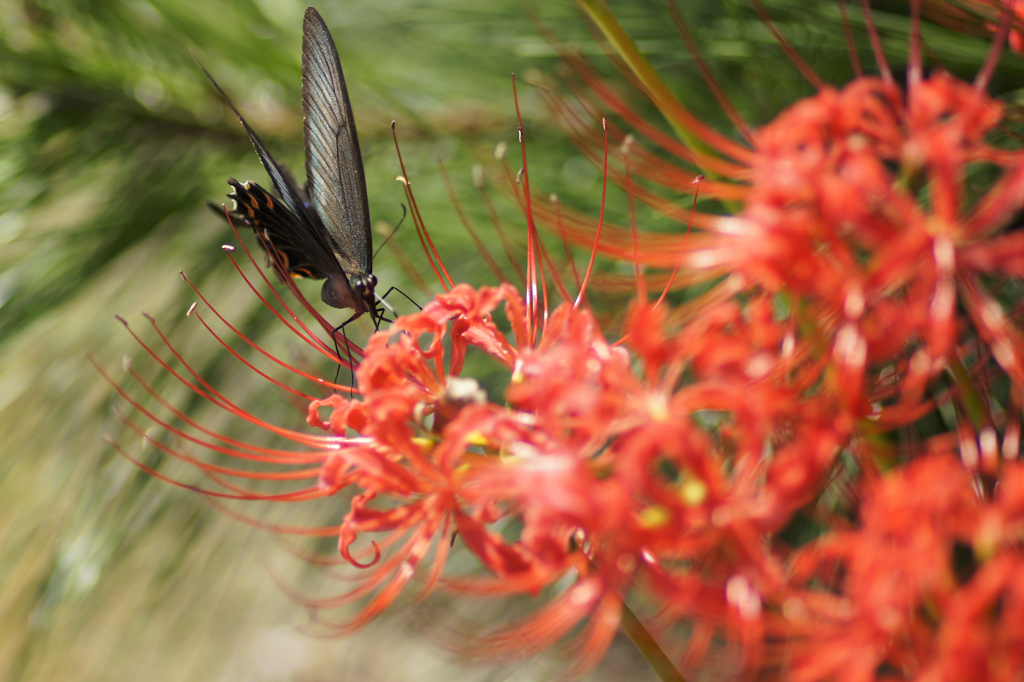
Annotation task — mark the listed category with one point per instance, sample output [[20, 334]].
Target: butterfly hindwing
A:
[[298, 253]]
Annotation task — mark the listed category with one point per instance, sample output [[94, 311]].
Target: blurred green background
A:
[[111, 142]]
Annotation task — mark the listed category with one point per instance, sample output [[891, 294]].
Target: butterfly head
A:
[[350, 290], [363, 285]]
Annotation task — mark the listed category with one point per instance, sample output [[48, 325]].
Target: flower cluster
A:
[[859, 211], [931, 581], [607, 473], [812, 467]]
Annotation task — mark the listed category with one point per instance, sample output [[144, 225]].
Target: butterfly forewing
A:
[[334, 167], [322, 231], [292, 196]]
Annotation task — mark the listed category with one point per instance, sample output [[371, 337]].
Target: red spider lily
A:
[[575, 458], [671, 470], [908, 599], [856, 209], [828, 222]]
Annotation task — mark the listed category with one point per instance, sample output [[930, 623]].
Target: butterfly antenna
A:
[[407, 297], [388, 238]]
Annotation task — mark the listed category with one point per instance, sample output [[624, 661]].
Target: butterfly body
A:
[[322, 230]]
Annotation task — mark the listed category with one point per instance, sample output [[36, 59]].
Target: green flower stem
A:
[[675, 113], [969, 395], [641, 637]]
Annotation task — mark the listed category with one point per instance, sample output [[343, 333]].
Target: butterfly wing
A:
[[292, 227], [292, 195], [277, 227], [334, 166]]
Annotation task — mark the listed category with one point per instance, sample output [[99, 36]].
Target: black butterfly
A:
[[322, 230]]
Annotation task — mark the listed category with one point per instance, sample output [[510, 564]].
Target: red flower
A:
[[908, 600]]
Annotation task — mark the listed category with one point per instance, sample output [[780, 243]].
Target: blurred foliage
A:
[[110, 143]]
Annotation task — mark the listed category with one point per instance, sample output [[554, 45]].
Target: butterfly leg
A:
[[348, 348]]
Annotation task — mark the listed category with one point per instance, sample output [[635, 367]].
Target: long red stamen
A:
[[498, 226], [541, 256], [723, 101], [306, 335], [300, 330], [207, 392], [178, 484], [270, 249], [675, 271], [207, 467], [984, 76], [565, 242], [600, 220], [232, 447], [460, 211], [876, 44], [802, 66], [851, 45], [656, 249], [914, 67], [267, 355], [256, 347], [556, 276], [641, 285], [289, 282], [531, 231], [433, 257]]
